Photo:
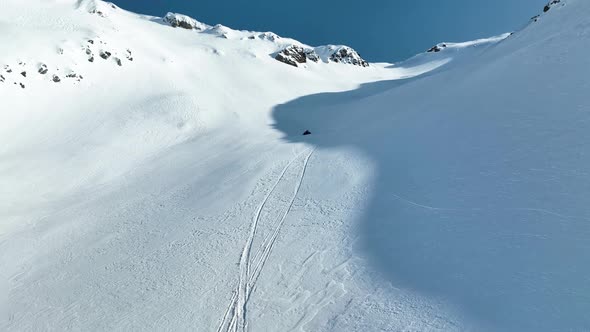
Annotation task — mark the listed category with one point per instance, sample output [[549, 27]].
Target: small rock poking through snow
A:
[[437, 48], [43, 69], [105, 54]]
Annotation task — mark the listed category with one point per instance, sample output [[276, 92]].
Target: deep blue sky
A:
[[380, 30]]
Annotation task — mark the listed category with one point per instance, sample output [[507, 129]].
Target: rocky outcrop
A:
[[19, 72], [105, 54], [294, 55], [183, 21], [437, 48], [550, 4], [347, 55]]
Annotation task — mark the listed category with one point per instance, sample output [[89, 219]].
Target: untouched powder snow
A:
[[162, 181]]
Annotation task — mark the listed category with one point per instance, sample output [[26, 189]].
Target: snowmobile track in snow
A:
[[248, 276]]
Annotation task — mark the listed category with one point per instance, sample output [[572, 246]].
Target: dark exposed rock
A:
[[347, 55], [118, 61], [22, 85], [91, 59], [105, 54], [74, 75], [550, 4], [184, 25], [97, 12], [56, 79], [91, 41], [285, 59], [535, 18], [183, 21], [294, 55], [7, 68], [88, 51], [312, 56], [437, 48], [307, 132], [2, 79], [24, 73]]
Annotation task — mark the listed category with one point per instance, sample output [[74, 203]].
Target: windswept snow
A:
[[166, 184]]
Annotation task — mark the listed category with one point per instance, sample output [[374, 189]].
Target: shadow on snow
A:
[[455, 211]]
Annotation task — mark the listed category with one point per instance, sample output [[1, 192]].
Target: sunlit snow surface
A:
[[167, 185]]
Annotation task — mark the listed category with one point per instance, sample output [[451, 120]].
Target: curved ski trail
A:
[[248, 275]]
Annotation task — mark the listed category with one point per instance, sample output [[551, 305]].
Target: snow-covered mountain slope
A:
[[168, 184]]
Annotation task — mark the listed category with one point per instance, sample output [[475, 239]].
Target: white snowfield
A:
[[156, 178]]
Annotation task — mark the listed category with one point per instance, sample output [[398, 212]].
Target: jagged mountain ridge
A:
[[291, 53]]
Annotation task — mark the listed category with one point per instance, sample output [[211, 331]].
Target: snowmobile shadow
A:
[[447, 217]]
